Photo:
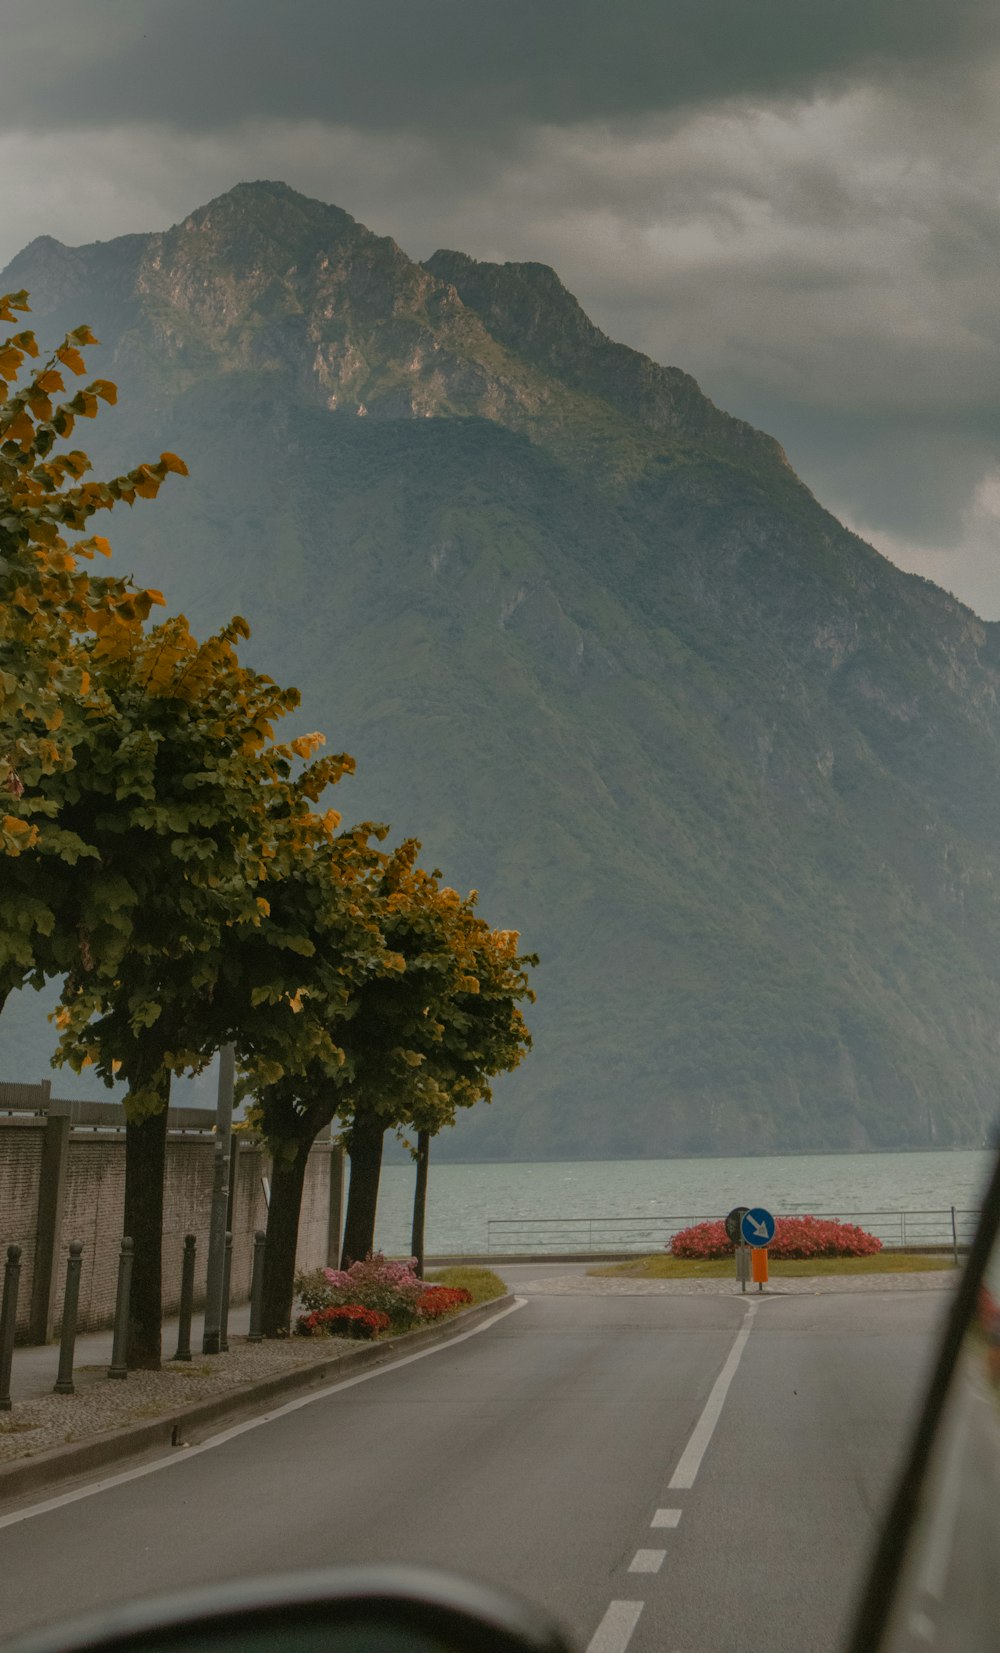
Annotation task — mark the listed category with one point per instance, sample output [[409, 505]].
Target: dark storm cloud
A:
[[796, 200], [204, 64]]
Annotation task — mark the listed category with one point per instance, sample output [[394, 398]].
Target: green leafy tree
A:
[[294, 1046], [431, 1041], [195, 813]]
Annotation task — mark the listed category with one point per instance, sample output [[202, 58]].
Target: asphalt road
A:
[[537, 1454]]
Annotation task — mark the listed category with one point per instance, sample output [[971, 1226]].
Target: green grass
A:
[[481, 1282], [683, 1268]]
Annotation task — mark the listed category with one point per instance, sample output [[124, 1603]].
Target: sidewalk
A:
[[35, 1366]]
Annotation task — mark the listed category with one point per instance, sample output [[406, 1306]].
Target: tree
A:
[[194, 811], [429, 1040], [292, 1050], [50, 607], [413, 1041]]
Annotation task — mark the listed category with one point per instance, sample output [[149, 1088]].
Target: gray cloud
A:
[[794, 199], [437, 63]]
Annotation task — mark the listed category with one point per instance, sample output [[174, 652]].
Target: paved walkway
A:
[[35, 1366]]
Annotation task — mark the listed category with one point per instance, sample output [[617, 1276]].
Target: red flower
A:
[[435, 1301], [793, 1237], [348, 1319]]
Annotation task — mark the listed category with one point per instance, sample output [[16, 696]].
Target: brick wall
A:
[[20, 1171], [92, 1202], [95, 1199]]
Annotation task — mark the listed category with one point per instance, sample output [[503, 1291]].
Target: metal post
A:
[[211, 1341], [216, 1255], [954, 1236], [256, 1334], [187, 1299], [8, 1322], [420, 1201], [335, 1222], [64, 1384], [227, 1272], [119, 1363]]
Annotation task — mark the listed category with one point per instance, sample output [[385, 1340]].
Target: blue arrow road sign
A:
[[757, 1226]]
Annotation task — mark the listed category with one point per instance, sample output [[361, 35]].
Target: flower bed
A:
[[342, 1320], [439, 1300], [371, 1297], [793, 1237]]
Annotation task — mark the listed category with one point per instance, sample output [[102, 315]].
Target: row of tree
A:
[[174, 865]]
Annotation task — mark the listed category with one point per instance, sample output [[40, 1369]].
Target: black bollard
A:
[[256, 1334], [211, 1336], [187, 1299], [8, 1322], [64, 1384], [227, 1275], [119, 1351]]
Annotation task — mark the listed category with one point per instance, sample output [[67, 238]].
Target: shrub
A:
[[390, 1291], [391, 1288], [342, 1320], [793, 1237]]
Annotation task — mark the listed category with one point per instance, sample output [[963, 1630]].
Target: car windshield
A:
[[949, 1592], [499, 802]]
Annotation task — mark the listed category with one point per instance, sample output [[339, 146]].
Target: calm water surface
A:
[[463, 1198]]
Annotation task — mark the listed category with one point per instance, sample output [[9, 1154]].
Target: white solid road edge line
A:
[[690, 1459], [184, 1456], [614, 1632]]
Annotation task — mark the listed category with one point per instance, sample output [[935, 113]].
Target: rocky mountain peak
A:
[[527, 307]]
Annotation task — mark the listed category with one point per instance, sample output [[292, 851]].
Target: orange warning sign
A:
[[758, 1265]]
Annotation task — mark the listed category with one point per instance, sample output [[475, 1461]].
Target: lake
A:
[[632, 1204]]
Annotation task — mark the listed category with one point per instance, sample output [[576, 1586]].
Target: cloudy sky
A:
[[796, 200]]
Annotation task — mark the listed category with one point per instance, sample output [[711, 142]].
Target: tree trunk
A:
[[420, 1200], [364, 1146], [145, 1165], [287, 1182]]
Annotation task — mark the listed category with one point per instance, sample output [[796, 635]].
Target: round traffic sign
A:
[[757, 1226], [733, 1221]]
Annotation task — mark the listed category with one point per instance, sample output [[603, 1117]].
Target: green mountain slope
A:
[[733, 775]]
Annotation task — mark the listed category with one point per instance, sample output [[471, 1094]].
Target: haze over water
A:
[[462, 1198]]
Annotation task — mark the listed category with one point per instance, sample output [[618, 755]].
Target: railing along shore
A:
[[943, 1229]]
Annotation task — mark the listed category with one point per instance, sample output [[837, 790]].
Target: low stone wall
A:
[[62, 1178]]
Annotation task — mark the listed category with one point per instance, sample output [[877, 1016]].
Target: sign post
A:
[[757, 1231], [734, 1233]]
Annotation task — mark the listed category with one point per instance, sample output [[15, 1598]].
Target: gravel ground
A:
[[102, 1404]]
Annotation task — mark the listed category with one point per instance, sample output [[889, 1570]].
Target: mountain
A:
[[730, 772]]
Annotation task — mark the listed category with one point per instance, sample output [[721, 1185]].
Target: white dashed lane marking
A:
[[647, 1561], [614, 1632], [615, 1629]]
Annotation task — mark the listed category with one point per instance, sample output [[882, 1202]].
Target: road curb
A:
[[187, 1423]]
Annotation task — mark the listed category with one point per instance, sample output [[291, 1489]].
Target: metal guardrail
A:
[[898, 1230]]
